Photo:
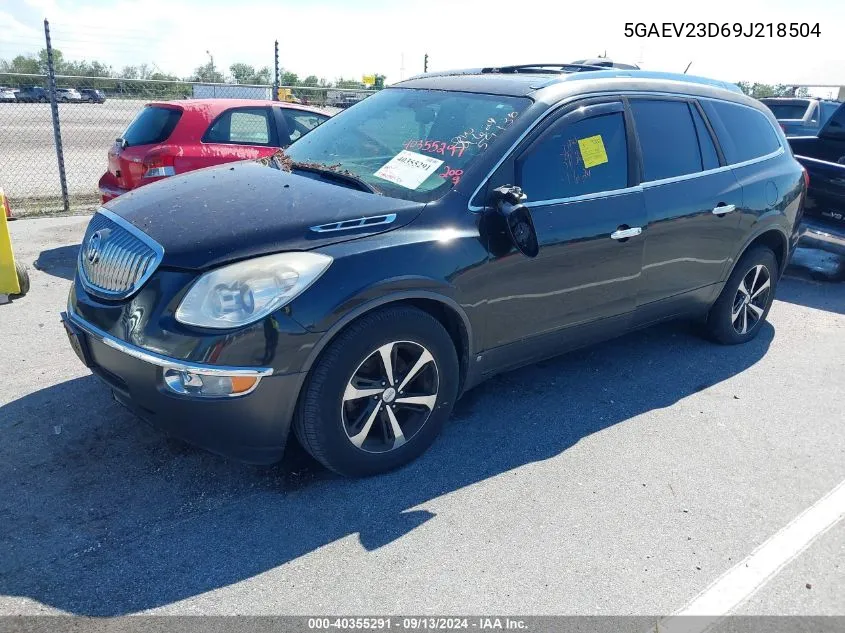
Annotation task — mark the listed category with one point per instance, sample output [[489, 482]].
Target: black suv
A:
[[32, 94], [445, 229]]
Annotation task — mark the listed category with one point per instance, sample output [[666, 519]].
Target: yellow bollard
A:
[[9, 281]]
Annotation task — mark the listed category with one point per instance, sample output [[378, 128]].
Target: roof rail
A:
[[544, 68], [650, 74]]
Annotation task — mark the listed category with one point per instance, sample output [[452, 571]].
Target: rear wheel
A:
[[380, 393], [744, 303]]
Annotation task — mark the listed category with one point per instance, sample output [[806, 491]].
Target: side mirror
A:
[[510, 205]]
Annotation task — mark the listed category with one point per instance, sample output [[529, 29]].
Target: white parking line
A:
[[740, 582]]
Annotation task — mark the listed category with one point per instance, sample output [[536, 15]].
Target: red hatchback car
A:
[[174, 137]]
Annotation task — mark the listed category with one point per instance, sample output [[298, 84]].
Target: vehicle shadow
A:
[[812, 294], [59, 261], [818, 265], [104, 517]]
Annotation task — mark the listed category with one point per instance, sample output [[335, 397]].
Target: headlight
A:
[[245, 292]]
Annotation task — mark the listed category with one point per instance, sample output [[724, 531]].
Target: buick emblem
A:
[[94, 246]]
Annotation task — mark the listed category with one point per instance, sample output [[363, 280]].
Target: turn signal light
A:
[[189, 383]]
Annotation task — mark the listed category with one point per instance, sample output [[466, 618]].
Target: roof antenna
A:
[[687, 68]]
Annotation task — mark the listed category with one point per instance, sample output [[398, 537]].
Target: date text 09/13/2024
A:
[[724, 29], [416, 623]]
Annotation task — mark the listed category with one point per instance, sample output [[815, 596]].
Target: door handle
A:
[[624, 234], [723, 209]]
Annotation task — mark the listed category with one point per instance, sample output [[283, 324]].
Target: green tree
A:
[[86, 69], [287, 78], [246, 74], [208, 74], [348, 83], [242, 73], [25, 64], [58, 61], [311, 80], [760, 91]]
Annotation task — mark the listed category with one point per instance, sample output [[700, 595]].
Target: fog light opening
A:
[[208, 385]]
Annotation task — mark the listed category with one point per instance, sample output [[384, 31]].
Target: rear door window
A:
[[154, 124], [744, 132], [576, 159], [668, 138], [709, 156], [242, 126]]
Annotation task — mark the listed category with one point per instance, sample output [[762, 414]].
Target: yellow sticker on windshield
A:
[[592, 151]]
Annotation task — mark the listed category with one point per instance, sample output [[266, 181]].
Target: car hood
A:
[[240, 210]]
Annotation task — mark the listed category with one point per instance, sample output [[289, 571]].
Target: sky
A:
[[331, 38]]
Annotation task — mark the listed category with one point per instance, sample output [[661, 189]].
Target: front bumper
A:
[[252, 427], [822, 235]]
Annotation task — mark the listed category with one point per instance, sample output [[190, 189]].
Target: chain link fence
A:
[[56, 129], [92, 113]]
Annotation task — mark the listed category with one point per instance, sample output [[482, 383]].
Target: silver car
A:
[[66, 95]]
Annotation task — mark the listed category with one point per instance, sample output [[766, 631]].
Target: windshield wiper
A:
[[331, 172]]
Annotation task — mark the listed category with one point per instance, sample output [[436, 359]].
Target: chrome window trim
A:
[[587, 196], [652, 183], [819, 160], [164, 362], [664, 181], [154, 246]]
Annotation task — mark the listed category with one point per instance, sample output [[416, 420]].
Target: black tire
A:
[[721, 325], [319, 422], [23, 278]]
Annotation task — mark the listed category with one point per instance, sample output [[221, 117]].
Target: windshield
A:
[[409, 144]]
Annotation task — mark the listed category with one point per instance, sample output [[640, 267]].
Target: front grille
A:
[[116, 258]]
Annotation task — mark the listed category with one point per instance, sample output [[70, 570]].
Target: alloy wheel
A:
[[751, 299], [390, 396]]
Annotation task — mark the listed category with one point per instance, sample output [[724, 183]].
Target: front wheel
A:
[[380, 393], [744, 303]]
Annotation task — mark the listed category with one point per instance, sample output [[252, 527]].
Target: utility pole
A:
[[276, 73], [54, 111], [211, 57], [425, 63]]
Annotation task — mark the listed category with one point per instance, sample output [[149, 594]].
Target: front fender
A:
[[383, 299], [403, 265]]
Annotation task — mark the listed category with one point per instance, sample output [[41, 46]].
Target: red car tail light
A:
[[159, 164]]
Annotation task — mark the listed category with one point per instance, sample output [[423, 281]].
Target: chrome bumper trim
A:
[[163, 361], [816, 236]]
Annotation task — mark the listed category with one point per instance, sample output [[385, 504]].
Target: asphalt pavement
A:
[[621, 479]]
